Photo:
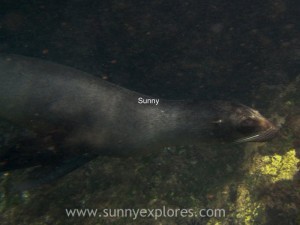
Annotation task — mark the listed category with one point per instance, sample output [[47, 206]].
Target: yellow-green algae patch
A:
[[247, 209], [276, 167], [244, 210]]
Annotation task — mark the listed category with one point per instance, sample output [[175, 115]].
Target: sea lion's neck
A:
[[168, 123]]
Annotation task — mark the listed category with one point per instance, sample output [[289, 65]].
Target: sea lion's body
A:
[[81, 113]]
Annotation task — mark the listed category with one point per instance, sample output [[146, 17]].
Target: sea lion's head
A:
[[241, 123]]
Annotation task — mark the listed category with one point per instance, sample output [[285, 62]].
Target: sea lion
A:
[[75, 113]]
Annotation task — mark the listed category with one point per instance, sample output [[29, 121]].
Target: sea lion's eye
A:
[[248, 125]]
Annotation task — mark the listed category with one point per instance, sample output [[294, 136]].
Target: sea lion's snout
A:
[[256, 127], [261, 136]]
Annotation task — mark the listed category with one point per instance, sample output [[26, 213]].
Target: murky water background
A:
[[242, 51]]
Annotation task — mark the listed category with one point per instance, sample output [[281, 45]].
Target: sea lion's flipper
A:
[[41, 175], [27, 156]]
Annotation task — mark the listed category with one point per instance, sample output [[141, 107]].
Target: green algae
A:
[[277, 167], [248, 208]]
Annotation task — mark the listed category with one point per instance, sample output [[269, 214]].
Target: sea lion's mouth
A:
[[260, 137]]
